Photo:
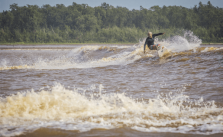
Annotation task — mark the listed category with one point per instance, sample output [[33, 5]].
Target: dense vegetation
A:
[[80, 23]]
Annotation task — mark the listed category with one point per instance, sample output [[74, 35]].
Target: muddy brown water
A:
[[109, 90]]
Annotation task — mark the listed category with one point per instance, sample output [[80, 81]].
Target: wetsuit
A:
[[150, 41]]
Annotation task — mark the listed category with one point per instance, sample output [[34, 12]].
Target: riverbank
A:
[[120, 43], [34, 44], [72, 45], [212, 44]]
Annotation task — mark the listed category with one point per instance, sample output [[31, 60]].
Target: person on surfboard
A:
[[150, 41]]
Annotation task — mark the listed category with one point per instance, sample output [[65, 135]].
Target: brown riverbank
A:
[[70, 44]]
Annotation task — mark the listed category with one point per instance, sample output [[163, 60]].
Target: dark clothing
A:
[[150, 41]]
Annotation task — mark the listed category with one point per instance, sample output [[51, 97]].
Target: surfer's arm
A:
[[158, 34]]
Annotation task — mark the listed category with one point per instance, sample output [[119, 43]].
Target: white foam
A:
[[86, 109], [181, 43], [78, 58], [3, 63]]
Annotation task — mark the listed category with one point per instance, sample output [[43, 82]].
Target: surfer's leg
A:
[[152, 47], [155, 47]]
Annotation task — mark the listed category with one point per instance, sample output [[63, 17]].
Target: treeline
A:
[[80, 23]]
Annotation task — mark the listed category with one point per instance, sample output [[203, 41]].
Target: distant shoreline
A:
[[212, 44], [68, 44], [71, 46], [75, 44]]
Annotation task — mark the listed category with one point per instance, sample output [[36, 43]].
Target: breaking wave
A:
[[101, 56], [85, 109]]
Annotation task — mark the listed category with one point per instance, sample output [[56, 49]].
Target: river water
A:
[[112, 90]]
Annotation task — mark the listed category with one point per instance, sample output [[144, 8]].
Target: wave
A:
[[86, 109], [102, 56], [85, 57]]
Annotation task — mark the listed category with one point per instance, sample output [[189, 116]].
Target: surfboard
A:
[[162, 50]]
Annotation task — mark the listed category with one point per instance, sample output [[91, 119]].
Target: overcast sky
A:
[[130, 4]]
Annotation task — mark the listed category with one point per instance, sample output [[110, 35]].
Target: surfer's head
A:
[[150, 34]]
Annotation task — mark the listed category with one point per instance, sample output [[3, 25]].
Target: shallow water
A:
[[111, 90]]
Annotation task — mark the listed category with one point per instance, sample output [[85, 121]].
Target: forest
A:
[[80, 23]]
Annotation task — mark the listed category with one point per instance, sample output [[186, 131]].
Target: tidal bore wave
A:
[[97, 56]]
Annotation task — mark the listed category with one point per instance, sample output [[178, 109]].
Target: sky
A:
[[130, 4]]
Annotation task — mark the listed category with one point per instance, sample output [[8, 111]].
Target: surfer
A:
[[150, 41]]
